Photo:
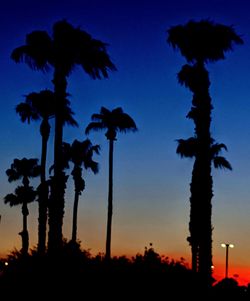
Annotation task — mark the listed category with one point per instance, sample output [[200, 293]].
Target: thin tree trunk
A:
[[56, 207], [110, 200], [24, 234], [74, 223], [43, 197]]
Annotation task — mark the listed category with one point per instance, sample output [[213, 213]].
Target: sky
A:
[[151, 183]]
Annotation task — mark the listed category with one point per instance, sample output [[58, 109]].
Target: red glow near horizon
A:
[[240, 273]]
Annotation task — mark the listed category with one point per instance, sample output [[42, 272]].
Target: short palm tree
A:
[[41, 106], [23, 169], [22, 196], [112, 121], [201, 42], [81, 154], [67, 48]]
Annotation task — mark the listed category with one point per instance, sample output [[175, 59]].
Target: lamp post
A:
[[227, 246]]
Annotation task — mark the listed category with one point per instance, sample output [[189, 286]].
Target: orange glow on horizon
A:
[[238, 272]]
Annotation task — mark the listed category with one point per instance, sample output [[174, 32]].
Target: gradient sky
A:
[[151, 183]]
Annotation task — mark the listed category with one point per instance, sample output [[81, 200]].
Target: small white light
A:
[[223, 245], [6, 263], [231, 246]]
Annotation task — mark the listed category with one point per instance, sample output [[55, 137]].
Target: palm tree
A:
[[201, 42], [112, 121], [23, 169], [81, 153], [188, 149], [41, 106], [67, 48], [22, 196]]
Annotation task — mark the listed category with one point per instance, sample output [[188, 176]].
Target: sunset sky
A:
[[151, 183]]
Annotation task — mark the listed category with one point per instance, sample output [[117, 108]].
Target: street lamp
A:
[[227, 246]]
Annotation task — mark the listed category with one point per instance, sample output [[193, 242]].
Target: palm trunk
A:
[[110, 200], [24, 234], [56, 207], [205, 260], [43, 197], [74, 223], [201, 187], [79, 187], [195, 216]]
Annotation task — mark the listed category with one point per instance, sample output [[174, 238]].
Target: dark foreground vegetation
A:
[[75, 273]]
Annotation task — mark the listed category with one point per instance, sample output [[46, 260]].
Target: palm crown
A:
[[82, 153], [68, 47], [21, 194], [43, 105], [114, 121], [203, 41], [24, 168]]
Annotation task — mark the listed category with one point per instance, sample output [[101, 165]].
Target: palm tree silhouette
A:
[[41, 106], [201, 42], [22, 196], [23, 169], [67, 48], [188, 148], [80, 154], [112, 121]]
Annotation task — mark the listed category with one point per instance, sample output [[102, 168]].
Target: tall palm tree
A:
[[22, 196], [201, 42], [67, 48], [188, 148], [23, 169], [41, 106], [112, 121], [81, 154]]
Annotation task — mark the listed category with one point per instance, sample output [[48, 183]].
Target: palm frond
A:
[[27, 112], [36, 52], [94, 166], [68, 116], [221, 162], [216, 148], [13, 175], [187, 148], [94, 126], [126, 124], [104, 111], [11, 199], [193, 77]]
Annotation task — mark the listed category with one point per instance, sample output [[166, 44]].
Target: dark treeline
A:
[[63, 267], [77, 274]]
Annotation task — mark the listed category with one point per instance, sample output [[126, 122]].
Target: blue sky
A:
[[151, 183]]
